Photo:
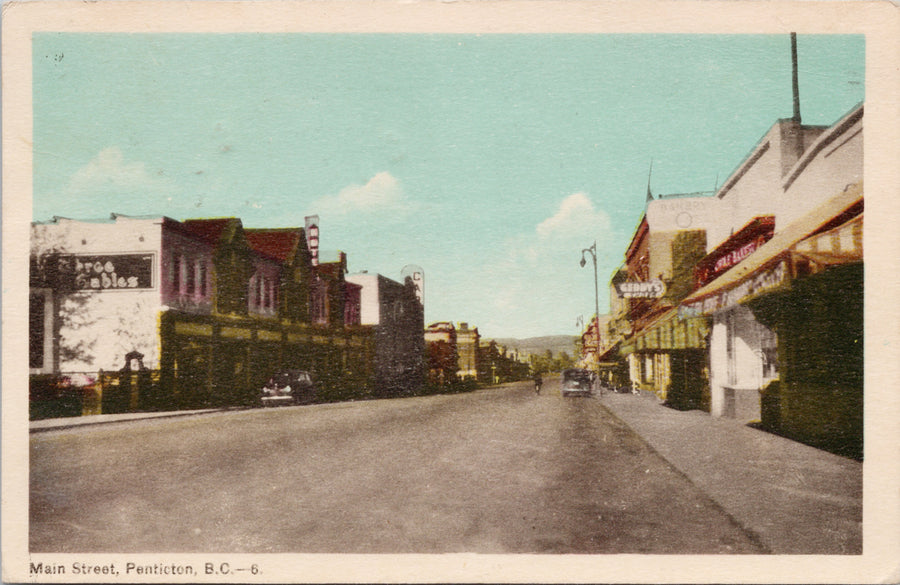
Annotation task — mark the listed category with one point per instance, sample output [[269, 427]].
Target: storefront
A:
[[669, 357], [762, 307]]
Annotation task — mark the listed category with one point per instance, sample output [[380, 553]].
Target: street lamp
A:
[[593, 251]]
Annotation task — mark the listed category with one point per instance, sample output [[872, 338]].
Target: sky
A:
[[491, 161]]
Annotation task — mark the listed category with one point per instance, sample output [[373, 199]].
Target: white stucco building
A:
[[106, 294], [793, 171]]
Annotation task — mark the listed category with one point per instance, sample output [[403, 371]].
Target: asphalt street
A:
[[499, 470]]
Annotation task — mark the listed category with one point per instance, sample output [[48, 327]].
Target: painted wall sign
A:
[[650, 289], [111, 272]]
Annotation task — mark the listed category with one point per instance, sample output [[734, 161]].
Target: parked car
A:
[[577, 382], [289, 387]]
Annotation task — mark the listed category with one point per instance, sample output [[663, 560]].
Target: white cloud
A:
[[382, 192], [109, 172], [576, 217], [575, 225], [538, 284]]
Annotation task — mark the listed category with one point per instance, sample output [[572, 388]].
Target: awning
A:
[[841, 245], [668, 332], [772, 266]]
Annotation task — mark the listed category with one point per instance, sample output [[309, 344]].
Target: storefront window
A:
[[648, 368], [768, 353]]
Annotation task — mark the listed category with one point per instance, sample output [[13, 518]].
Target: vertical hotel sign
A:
[[416, 276], [312, 237]]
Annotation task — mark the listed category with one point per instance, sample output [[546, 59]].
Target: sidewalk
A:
[[796, 499], [53, 424]]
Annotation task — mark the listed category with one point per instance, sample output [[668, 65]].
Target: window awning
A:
[[772, 266]]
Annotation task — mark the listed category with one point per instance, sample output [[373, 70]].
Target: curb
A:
[[146, 416]]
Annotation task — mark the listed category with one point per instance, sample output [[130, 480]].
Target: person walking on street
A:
[[538, 382]]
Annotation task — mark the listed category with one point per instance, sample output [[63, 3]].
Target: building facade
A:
[[397, 316], [662, 354], [467, 341], [796, 177], [152, 313], [749, 303], [442, 353]]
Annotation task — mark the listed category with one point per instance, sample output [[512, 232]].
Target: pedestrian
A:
[[538, 382]]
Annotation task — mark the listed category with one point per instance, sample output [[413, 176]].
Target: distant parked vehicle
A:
[[577, 382], [289, 387]]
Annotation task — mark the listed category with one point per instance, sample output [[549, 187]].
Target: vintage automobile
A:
[[289, 387], [577, 382]]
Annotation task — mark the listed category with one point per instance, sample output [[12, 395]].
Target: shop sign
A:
[[760, 282], [650, 289], [735, 256], [111, 272], [734, 250]]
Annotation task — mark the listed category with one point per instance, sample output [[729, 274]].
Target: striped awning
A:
[[669, 332]]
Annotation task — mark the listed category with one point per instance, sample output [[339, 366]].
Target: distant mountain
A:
[[539, 345]]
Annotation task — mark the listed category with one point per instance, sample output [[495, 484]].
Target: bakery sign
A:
[[734, 257], [649, 289], [111, 272]]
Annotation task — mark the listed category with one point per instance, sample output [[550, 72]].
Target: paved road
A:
[[494, 471]]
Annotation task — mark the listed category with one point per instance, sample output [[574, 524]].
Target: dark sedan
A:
[[289, 387], [577, 382]]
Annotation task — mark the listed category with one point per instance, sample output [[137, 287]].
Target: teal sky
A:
[[489, 160]]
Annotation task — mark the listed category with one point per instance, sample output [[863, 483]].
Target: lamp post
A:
[[593, 252]]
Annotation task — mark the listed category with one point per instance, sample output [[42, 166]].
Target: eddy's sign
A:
[[112, 272], [650, 289]]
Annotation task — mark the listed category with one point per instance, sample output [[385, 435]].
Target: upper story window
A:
[[252, 291], [261, 294], [201, 277], [190, 276]]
